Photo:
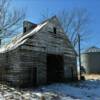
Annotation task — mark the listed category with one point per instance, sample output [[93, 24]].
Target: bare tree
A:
[[10, 20], [74, 22]]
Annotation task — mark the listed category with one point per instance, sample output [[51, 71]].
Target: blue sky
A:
[[34, 9]]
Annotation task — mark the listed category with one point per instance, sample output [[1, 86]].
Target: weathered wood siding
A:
[[30, 59], [9, 64], [3, 64], [46, 42]]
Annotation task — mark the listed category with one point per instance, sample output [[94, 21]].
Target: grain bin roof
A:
[[92, 49]]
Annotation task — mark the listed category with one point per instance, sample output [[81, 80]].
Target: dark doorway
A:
[[55, 65]]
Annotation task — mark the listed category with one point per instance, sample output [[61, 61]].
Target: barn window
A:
[[24, 29], [54, 29]]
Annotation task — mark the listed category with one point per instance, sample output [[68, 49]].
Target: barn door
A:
[[55, 68]]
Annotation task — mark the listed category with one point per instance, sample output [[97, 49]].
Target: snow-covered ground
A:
[[85, 90]]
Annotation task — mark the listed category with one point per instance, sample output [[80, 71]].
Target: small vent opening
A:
[[55, 30]]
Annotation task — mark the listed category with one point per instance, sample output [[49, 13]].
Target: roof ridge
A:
[[92, 49]]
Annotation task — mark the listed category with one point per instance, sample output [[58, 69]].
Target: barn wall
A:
[[30, 59], [3, 64], [70, 70], [50, 43], [9, 67], [13, 71]]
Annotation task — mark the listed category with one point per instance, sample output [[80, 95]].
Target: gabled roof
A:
[[15, 42]]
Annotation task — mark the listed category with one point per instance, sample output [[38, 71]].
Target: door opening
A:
[[55, 68]]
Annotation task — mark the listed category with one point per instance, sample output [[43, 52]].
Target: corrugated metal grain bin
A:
[[91, 60]]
